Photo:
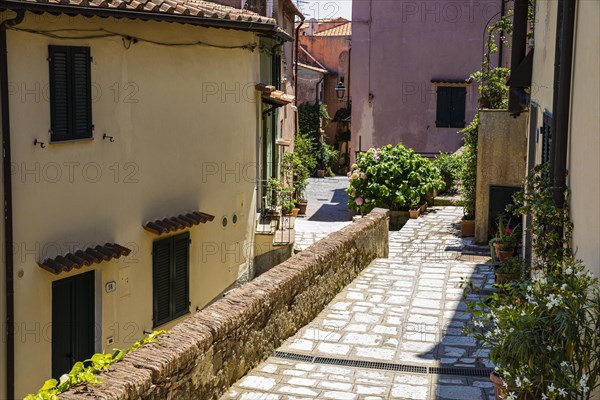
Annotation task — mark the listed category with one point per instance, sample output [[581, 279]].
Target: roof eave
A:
[[252, 26]]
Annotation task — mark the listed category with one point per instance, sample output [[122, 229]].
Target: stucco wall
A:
[[584, 147], [398, 47], [211, 350], [185, 122], [584, 141], [501, 160]]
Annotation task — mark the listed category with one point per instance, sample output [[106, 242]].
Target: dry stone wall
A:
[[212, 349]]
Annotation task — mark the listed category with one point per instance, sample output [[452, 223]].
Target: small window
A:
[[170, 269], [70, 93], [546, 131], [450, 107]]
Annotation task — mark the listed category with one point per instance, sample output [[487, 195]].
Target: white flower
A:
[[583, 383], [563, 287], [569, 271], [544, 397], [562, 392], [478, 324], [511, 396], [564, 364], [527, 381], [518, 382], [551, 388]]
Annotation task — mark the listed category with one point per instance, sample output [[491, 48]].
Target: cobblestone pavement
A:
[[383, 336], [327, 210]]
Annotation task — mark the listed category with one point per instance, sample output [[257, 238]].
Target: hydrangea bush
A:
[[543, 334], [391, 177]]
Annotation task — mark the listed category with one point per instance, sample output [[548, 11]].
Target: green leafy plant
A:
[[449, 165], [551, 228], [515, 267], [288, 206], [468, 169], [311, 118], [391, 177], [85, 372], [543, 333]]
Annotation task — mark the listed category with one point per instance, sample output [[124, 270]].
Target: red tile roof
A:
[[190, 8], [177, 223], [340, 30], [89, 256]]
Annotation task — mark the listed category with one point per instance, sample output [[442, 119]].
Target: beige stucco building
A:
[[583, 117], [117, 124]]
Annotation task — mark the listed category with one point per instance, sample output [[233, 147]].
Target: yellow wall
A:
[[179, 146], [584, 139], [584, 146]]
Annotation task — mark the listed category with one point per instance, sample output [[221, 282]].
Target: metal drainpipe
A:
[[501, 42], [317, 94], [297, 50], [8, 220], [561, 114]]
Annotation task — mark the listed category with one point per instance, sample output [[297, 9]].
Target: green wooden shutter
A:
[[81, 92], [181, 275], [59, 92], [443, 110], [459, 97], [70, 93], [161, 272]]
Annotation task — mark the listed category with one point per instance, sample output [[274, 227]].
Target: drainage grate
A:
[[416, 369], [461, 371]]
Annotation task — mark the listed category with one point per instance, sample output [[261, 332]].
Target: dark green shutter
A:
[[444, 98], [459, 97], [70, 92], [181, 272], [171, 292], [161, 257], [82, 92], [59, 92]]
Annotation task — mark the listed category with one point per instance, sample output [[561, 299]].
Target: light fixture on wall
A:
[[340, 89]]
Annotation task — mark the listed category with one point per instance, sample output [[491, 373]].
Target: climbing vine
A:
[[85, 372]]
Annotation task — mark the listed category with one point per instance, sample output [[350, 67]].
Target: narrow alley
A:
[[394, 333]]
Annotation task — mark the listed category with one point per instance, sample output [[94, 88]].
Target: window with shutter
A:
[[70, 93], [171, 278], [450, 110]]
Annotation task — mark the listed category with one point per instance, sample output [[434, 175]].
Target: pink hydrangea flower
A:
[[363, 176], [359, 201]]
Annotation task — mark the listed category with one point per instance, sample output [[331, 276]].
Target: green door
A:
[[72, 321]]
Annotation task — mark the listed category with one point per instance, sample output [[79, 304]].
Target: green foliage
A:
[[449, 166], [86, 372], [310, 118], [515, 267], [551, 227], [297, 165], [327, 158], [468, 171], [543, 333], [505, 235], [391, 177]]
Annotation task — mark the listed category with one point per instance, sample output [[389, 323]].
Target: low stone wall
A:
[[214, 348]]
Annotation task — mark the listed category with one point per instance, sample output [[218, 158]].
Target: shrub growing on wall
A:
[[395, 178]]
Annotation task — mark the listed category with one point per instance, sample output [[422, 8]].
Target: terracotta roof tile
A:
[[89, 256], [197, 8], [177, 223], [340, 30]]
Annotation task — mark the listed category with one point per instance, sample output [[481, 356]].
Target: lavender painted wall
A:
[[398, 47]]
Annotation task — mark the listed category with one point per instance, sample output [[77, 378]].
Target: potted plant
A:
[[543, 334], [414, 212], [287, 207], [391, 177], [467, 174], [509, 271], [506, 239]]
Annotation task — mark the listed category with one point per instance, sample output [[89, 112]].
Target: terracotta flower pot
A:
[[423, 207], [467, 227], [504, 253], [320, 173], [302, 207], [414, 214], [295, 212]]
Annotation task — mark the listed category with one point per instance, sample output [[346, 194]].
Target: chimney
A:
[[313, 24]]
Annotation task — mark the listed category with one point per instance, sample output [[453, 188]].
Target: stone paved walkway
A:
[[327, 210], [406, 309]]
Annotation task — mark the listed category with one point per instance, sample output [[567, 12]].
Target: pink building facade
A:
[[409, 86]]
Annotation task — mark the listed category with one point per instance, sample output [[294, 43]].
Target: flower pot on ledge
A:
[[414, 214], [301, 204], [467, 227], [504, 252]]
